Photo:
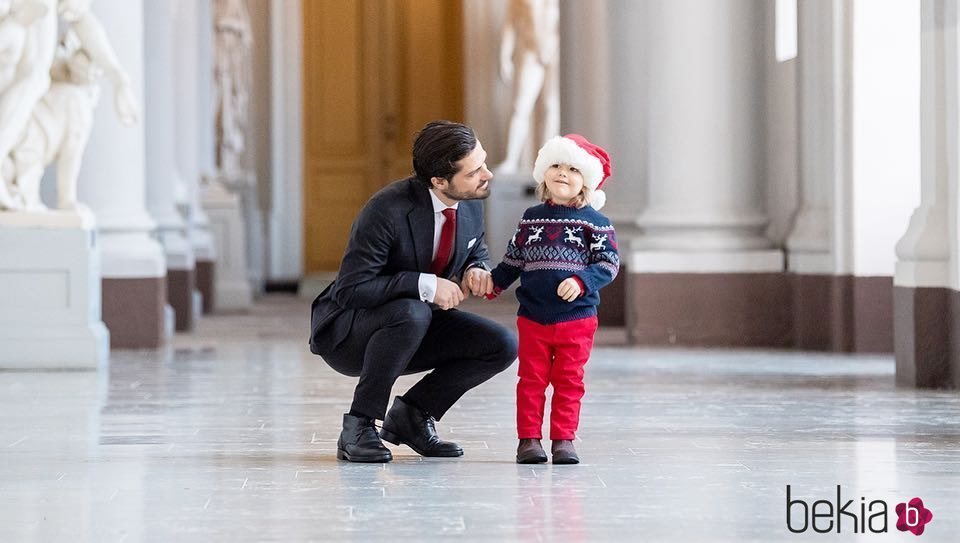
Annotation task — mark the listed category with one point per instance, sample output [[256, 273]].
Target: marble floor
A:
[[229, 434]]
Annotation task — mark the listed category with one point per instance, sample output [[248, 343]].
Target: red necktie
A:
[[445, 246]]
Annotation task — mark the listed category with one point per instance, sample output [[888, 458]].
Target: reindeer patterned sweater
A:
[[553, 243]]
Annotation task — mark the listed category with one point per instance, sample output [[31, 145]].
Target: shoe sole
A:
[[532, 460], [381, 459], [387, 435], [565, 461]]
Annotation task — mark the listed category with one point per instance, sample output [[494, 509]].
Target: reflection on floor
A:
[[229, 435]]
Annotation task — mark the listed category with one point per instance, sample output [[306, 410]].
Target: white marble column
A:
[[927, 277], [206, 115], [112, 184], [160, 120], [611, 109], [701, 270], [705, 197], [285, 223], [814, 243], [924, 251], [191, 120]]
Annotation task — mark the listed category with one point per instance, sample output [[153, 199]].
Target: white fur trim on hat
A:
[[561, 150], [598, 199]]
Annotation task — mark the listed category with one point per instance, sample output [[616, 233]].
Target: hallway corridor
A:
[[230, 434]]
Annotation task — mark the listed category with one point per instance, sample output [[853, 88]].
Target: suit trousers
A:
[[552, 354], [408, 336]]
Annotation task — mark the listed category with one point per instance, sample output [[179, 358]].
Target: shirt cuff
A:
[[427, 286]]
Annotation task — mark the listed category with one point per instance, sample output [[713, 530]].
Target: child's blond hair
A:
[[581, 200]]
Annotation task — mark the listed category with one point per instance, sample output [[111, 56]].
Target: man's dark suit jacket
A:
[[391, 244]]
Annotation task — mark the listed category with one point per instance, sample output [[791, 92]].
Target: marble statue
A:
[[28, 38], [232, 77], [94, 41], [13, 35], [529, 57], [58, 131], [59, 123]]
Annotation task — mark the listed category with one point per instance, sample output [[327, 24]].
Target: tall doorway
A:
[[374, 72]]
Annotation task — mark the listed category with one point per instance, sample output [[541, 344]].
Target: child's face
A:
[[564, 182]]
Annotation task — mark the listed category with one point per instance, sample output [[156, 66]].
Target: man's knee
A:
[[506, 347], [412, 315]]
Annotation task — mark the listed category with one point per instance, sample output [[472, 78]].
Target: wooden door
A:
[[375, 71]]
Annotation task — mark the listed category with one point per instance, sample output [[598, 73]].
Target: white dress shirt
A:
[[428, 281]]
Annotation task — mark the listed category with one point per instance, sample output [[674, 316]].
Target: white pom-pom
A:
[[599, 198]]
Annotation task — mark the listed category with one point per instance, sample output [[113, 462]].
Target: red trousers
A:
[[552, 354]]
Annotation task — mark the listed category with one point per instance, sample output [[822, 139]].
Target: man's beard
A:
[[477, 194]]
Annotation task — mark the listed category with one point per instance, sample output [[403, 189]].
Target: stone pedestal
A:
[[510, 196], [50, 287], [231, 284]]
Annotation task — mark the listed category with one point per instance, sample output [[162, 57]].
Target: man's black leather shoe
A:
[[359, 441], [408, 425]]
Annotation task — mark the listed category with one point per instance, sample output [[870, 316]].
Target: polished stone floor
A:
[[229, 435]]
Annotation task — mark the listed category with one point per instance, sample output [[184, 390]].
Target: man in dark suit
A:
[[391, 310]]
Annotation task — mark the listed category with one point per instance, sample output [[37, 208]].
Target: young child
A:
[[564, 252]]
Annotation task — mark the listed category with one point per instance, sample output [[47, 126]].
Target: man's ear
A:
[[438, 182]]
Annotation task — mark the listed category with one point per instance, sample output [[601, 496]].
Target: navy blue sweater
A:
[[553, 243]]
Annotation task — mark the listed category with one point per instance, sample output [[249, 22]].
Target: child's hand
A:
[[569, 289], [478, 282]]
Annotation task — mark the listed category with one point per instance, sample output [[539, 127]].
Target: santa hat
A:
[[574, 149]]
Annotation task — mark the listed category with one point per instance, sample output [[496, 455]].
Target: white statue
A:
[[28, 38], [94, 41], [58, 131], [59, 124], [232, 75], [529, 56], [13, 36]]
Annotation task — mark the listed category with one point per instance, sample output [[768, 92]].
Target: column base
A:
[[133, 310], [206, 270], [233, 296], [180, 285], [843, 313], [922, 332], [232, 282], [50, 292], [709, 309]]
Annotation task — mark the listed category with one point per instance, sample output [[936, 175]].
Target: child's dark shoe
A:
[[530, 452], [563, 452]]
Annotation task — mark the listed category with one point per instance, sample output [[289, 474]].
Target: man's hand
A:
[[448, 294], [569, 289], [477, 281]]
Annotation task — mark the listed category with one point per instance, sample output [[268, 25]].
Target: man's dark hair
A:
[[438, 147]]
